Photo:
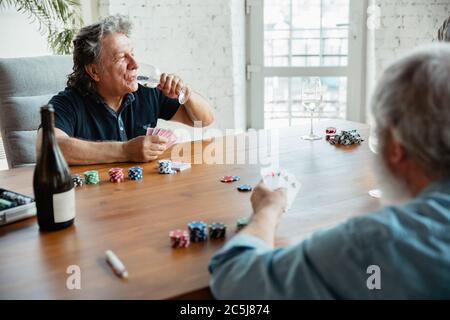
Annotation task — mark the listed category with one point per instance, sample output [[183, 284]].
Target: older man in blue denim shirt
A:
[[406, 246]]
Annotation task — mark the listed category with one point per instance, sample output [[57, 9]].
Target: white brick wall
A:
[[238, 48], [200, 40], [406, 24]]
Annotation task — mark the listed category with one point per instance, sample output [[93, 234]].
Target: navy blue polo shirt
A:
[[89, 117]]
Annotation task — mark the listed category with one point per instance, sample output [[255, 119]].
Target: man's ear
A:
[[93, 71], [396, 153]]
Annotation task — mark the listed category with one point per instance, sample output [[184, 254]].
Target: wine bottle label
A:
[[64, 206]]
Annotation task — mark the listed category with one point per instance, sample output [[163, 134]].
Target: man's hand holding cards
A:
[[275, 179], [163, 133]]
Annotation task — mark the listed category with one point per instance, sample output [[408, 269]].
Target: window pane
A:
[[276, 102], [283, 102], [306, 32]]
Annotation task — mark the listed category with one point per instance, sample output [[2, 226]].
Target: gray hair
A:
[[87, 49], [413, 99]]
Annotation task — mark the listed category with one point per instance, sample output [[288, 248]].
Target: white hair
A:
[[412, 100]]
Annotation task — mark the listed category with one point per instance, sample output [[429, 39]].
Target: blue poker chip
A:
[[135, 173], [197, 225], [245, 187], [198, 231], [236, 178]]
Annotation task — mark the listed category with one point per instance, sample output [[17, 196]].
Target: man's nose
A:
[[133, 63]]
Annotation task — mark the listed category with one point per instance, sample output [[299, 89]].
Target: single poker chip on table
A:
[[217, 230], [228, 179], [179, 238], [245, 188]]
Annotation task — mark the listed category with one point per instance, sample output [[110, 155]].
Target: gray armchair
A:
[[25, 85]]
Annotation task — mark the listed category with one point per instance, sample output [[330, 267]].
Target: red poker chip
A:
[[179, 238], [330, 130], [116, 175], [227, 179], [178, 233]]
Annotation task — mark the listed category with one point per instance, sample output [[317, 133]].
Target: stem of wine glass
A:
[[312, 130]]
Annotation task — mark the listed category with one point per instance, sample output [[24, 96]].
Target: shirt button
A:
[[121, 129]]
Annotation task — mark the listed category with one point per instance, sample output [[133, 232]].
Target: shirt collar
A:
[[127, 100], [441, 185]]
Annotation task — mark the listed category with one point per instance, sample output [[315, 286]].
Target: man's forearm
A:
[[80, 152], [263, 226], [198, 109]]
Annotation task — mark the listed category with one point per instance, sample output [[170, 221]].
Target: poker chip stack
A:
[[330, 132], [116, 175], [165, 167], [241, 223], [5, 204], [346, 138], [197, 231], [179, 238], [16, 198], [135, 173], [77, 180], [335, 140], [91, 177], [217, 230]]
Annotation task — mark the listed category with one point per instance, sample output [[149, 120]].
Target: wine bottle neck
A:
[[48, 134]]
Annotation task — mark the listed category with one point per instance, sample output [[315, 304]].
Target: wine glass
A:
[[373, 146], [312, 95], [150, 76]]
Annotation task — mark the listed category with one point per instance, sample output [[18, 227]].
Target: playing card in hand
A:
[[275, 179], [163, 133], [149, 131]]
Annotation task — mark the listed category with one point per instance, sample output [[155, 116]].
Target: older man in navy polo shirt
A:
[[103, 114]]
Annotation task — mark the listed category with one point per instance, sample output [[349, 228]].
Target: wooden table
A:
[[134, 218]]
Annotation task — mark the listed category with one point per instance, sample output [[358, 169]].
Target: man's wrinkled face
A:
[[118, 67]]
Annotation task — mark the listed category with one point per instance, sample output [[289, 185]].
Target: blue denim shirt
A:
[[409, 243]]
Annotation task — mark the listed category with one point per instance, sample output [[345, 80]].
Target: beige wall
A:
[[19, 37]]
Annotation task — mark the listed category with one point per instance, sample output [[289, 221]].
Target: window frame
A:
[[354, 72]]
